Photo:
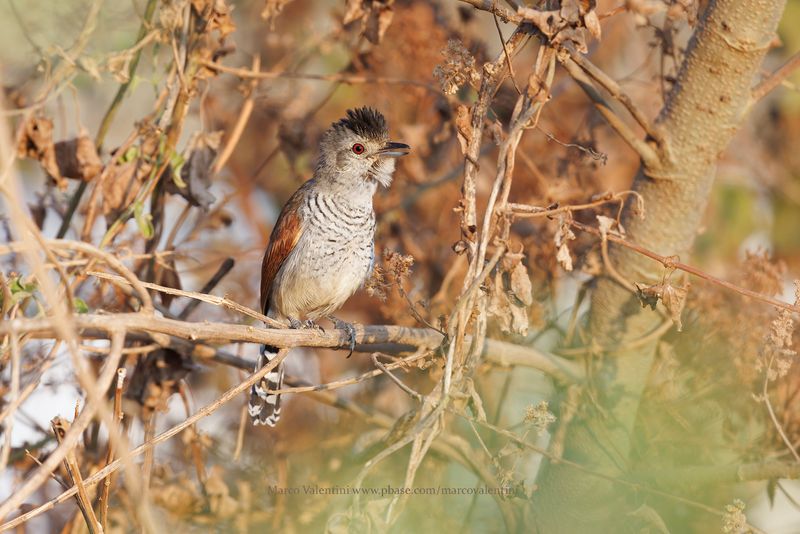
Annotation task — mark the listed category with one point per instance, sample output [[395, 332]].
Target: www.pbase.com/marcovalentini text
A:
[[388, 490]]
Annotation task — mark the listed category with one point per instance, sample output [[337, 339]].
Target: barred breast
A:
[[332, 259]]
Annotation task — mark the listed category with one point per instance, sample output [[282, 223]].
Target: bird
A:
[[322, 249]]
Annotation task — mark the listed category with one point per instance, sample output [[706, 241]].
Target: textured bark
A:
[[701, 115]]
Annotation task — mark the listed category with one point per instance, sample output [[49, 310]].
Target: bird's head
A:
[[358, 147]]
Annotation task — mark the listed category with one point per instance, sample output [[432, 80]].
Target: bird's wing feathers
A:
[[285, 235]]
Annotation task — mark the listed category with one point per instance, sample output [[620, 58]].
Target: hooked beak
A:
[[394, 150]]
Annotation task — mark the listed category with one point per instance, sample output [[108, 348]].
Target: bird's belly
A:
[[322, 274]]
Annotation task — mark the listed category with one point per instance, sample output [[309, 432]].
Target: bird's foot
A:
[[349, 328], [307, 324]]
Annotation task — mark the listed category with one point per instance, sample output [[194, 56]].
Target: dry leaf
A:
[[379, 20], [36, 142], [673, 299], [605, 224], [511, 295], [375, 17], [273, 8], [521, 285], [562, 236], [196, 172], [77, 158], [564, 258], [463, 127], [118, 187], [592, 23]]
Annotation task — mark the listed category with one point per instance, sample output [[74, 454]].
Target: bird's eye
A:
[[358, 148]]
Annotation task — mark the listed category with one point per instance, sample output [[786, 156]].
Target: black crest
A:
[[366, 122]]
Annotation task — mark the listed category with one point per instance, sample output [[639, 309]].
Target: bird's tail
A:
[[265, 406]]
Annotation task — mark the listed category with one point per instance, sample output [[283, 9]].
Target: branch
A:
[[670, 262], [615, 91], [71, 437], [18, 497], [337, 78], [649, 156], [368, 338], [776, 78], [492, 7]]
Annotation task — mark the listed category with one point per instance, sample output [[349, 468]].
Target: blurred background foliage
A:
[[699, 407]]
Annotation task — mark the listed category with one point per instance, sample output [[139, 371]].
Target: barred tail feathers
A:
[[265, 407]]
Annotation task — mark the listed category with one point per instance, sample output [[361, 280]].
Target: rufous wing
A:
[[285, 235]]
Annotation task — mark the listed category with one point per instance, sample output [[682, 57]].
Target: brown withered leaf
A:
[[217, 25], [563, 257], [217, 15], [36, 142], [562, 236], [118, 188], [511, 295], [167, 275], [648, 295], [375, 17], [519, 283], [196, 172], [156, 378], [354, 10], [673, 298], [463, 127], [273, 8], [77, 158], [592, 23], [378, 21]]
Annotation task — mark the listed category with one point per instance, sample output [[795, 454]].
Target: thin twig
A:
[[207, 410], [60, 427], [394, 379], [222, 271], [241, 121], [105, 124], [617, 93], [647, 153], [670, 262], [71, 437], [225, 302], [337, 78], [776, 78], [104, 496]]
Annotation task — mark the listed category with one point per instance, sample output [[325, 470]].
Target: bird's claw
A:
[[307, 324], [347, 327]]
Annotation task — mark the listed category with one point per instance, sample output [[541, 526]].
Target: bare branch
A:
[[617, 93], [776, 78], [671, 262], [649, 156]]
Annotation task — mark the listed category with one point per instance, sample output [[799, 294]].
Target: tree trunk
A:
[[702, 113]]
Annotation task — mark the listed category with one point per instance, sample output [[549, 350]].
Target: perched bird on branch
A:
[[322, 246]]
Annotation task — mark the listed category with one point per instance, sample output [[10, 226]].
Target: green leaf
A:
[[143, 220], [176, 162], [131, 154], [20, 290], [80, 305]]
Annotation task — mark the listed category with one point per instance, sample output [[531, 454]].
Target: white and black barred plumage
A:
[[265, 407]]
